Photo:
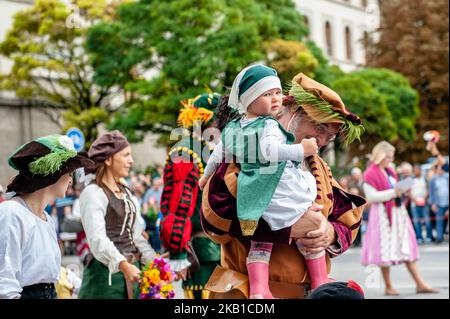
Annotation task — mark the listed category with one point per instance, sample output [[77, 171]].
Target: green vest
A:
[[258, 178]]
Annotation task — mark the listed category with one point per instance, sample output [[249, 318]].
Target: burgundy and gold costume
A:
[[288, 277]]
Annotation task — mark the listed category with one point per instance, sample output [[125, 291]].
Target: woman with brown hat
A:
[[30, 257], [108, 213]]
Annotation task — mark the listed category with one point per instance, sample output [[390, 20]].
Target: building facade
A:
[[339, 26]]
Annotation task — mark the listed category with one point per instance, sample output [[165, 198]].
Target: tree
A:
[[51, 70], [166, 51], [401, 99], [385, 102], [413, 40], [290, 58]]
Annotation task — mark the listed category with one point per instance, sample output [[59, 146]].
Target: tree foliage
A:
[[165, 51], [325, 72], [385, 102], [289, 58], [413, 40], [50, 67]]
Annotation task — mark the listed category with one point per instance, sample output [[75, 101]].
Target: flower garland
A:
[[156, 279]]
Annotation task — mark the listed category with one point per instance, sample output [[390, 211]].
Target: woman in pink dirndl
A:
[[390, 238]]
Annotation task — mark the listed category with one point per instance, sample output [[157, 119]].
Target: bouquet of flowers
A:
[[156, 279]]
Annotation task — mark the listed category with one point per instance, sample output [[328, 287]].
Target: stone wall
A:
[[19, 125]]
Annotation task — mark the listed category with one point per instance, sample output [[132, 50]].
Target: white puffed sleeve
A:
[[93, 205], [12, 240], [214, 160], [273, 145], [374, 196], [148, 253]]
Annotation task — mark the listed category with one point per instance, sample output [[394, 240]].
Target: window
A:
[[366, 38], [306, 22], [348, 43], [365, 41], [328, 38]]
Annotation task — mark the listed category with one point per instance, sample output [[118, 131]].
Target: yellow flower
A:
[[167, 288], [154, 273], [155, 280]]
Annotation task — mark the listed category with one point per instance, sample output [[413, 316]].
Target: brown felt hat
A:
[[106, 145], [323, 105], [322, 92]]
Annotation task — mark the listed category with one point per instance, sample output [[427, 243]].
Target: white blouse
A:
[[374, 196], [29, 250], [93, 205]]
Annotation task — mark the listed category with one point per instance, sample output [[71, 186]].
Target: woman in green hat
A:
[[30, 257]]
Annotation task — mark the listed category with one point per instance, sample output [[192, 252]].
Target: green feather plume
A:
[[321, 112], [52, 162]]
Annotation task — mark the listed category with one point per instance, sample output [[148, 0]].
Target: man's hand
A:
[[313, 231], [311, 220], [318, 240], [434, 208]]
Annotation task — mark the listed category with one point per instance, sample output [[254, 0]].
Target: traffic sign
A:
[[77, 137]]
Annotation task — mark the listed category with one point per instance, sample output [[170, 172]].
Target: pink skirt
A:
[[384, 244]]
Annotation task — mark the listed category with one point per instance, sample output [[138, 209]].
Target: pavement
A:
[[433, 266]]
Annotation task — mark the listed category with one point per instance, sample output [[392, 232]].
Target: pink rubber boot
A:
[[317, 269], [258, 270]]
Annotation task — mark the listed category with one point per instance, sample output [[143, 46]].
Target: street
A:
[[433, 266]]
